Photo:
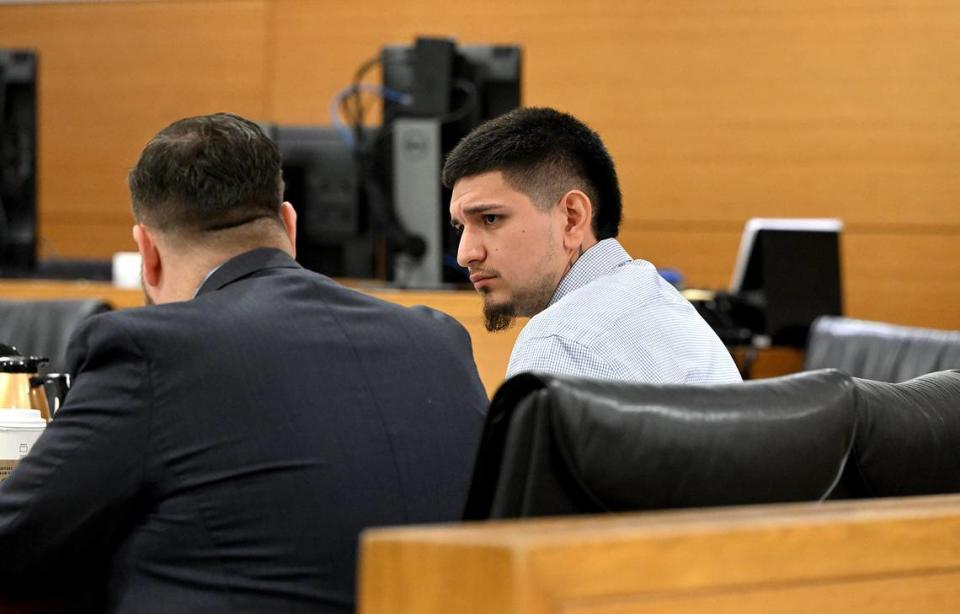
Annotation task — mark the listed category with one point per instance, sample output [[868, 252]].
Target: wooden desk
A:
[[769, 361], [49, 290], [878, 556], [490, 350]]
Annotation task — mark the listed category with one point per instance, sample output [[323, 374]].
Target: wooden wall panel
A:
[[719, 112], [112, 75], [89, 236], [714, 112], [911, 279], [704, 255]]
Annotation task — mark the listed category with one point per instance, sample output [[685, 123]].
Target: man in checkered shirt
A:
[[537, 202]]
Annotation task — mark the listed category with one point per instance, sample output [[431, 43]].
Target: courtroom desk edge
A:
[[48, 289], [491, 351], [52, 289], [901, 554], [572, 529]]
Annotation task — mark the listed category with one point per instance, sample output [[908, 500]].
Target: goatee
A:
[[498, 317]]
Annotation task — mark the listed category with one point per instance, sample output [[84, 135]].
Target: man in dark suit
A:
[[221, 450]]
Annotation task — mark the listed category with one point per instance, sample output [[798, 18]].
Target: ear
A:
[[577, 212], [289, 216], [152, 263]]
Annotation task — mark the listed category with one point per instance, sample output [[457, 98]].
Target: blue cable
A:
[[385, 93]]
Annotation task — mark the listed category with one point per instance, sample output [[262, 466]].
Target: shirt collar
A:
[[244, 265], [600, 259], [205, 278]]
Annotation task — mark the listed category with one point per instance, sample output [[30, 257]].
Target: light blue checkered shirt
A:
[[612, 317]]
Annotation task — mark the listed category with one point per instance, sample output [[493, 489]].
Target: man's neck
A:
[[186, 271], [574, 277]]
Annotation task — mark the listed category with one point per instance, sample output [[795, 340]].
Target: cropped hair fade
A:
[[207, 173], [543, 153]]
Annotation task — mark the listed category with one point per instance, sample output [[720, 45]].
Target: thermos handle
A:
[[56, 386]]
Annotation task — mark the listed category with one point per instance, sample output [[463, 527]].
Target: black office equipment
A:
[[369, 199], [483, 82], [18, 161], [433, 59], [435, 93], [320, 179], [788, 270]]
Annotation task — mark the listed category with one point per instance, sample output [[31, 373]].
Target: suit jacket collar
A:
[[245, 265]]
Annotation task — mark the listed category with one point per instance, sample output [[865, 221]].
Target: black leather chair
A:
[[907, 440], [879, 351], [43, 328], [558, 445]]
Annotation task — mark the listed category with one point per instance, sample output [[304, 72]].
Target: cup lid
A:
[[16, 417]]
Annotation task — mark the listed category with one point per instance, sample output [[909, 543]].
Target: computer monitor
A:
[[362, 210], [464, 85], [438, 92], [320, 179], [789, 270], [18, 161]]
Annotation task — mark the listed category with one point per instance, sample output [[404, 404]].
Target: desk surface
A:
[[490, 350]]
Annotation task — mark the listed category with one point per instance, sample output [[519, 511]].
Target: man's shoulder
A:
[[284, 295], [338, 297], [627, 292], [273, 306]]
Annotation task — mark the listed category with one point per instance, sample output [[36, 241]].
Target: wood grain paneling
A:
[[884, 556], [714, 112], [47, 290], [112, 75], [705, 254], [904, 278], [717, 112], [924, 592]]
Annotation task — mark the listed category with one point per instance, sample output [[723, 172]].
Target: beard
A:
[[526, 302], [498, 317]]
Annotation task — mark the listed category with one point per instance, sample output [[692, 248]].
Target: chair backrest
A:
[[559, 445], [879, 351], [907, 440], [43, 328]]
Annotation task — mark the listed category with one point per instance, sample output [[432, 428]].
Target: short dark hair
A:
[[543, 153], [207, 173]]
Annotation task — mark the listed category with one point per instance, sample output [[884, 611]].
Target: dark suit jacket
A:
[[222, 454]]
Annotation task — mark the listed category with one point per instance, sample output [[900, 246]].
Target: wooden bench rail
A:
[[894, 555]]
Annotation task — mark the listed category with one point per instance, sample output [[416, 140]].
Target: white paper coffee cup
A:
[[126, 269], [19, 430]]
